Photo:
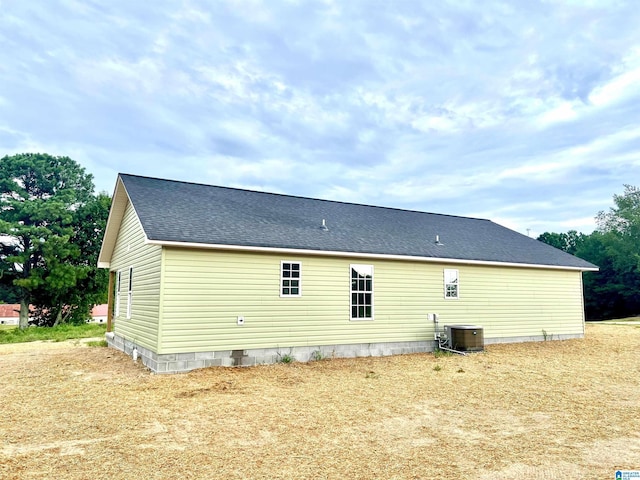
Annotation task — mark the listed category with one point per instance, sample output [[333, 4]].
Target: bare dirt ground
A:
[[546, 410]]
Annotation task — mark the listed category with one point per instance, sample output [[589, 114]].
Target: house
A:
[[204, 275], [98, 314], [9, 314]]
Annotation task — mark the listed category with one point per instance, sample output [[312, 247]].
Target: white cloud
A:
[[624, 85], [144, 76], [562, 111], [505, 110]]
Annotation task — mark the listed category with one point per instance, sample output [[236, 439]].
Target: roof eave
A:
[[169, 243], [116, 213]]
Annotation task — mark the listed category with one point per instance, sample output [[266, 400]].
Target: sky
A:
[[524, 112]]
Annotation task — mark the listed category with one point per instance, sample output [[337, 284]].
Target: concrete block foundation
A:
[[187, 361]]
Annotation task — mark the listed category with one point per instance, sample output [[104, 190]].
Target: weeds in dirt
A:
[[441, 353], [285, 358], [317, 355]]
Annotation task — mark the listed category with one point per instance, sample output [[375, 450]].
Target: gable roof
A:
[[189, 214]]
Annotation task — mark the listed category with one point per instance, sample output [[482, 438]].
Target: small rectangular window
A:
[[361, 292], [290, 279], [118, 279], [451, 283], [129, 292]]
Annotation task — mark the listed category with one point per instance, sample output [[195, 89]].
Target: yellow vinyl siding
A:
[[205, 291], [131, 251], [517, 302]]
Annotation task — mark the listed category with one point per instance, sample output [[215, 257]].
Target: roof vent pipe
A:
[[324, 225], [438, 240]]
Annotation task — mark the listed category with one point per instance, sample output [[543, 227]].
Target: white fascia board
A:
[[329, 253], [116, 213]]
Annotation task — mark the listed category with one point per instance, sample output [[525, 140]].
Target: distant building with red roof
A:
[[10, 314], [99, 313]]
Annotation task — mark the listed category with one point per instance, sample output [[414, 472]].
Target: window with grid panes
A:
[[290, 279], [451, 283], [361, 292]]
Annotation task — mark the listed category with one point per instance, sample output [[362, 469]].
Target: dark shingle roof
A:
[[187, 212]]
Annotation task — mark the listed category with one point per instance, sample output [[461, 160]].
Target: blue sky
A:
[[525, 112]]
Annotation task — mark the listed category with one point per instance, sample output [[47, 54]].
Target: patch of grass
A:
[[316, 356], [285, 357], [437, 368], [98, 343], [55, 334], [547, 336], [7, 327], [441, 353]]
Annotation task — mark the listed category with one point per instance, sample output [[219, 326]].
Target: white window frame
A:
[[284, 278], [118, 284], [129, 292], [358, 292], [451, 277]]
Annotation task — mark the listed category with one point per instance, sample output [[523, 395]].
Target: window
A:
[[290, 279], [118, 278], [361, 292], [451, 283], [129, 291]]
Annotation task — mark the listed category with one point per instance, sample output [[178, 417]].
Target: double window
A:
[[290, 279], [451, 283], [361, 292]]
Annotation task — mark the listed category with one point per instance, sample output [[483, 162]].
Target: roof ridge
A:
[[304, 197]]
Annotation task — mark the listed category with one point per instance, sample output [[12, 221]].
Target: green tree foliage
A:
[[8, 291], [620, 236], [50, 223], [58, 301], [568, 242], [614, 291], [624, 218]]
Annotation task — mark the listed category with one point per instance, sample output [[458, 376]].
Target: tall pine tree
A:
[[44, 205]]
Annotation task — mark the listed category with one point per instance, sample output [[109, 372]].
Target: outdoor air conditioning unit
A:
[[465, 338]]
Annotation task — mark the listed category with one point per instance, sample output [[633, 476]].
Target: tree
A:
[[59, 301], [601, 289], [42, 198], [613, 291], [620, 230], [567, 242], [624, 218], [8, 291]]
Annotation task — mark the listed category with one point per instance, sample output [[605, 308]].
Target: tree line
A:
[[51, 229], [614, 291]]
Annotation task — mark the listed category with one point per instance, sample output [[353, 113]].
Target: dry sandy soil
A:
[[546, 410]]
